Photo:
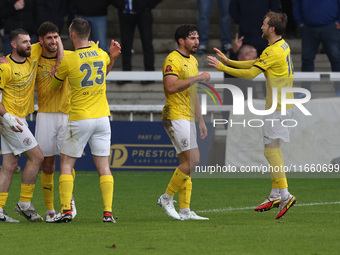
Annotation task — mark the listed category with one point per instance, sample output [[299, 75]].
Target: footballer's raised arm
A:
[[114, 53]]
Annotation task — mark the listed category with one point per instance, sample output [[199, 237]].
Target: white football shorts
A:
[[16, 142], [182, 134], [50, 128], [97, 132], [273, 128]]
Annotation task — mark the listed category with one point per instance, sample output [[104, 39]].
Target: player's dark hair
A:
[[278, 21], [47, 27], [81, 27], [16, 32], [183, 31]]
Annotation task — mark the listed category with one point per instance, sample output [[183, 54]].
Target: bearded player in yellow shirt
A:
[[17, 80], [86, 70], [275, 62], [52, 116], [180, 77]]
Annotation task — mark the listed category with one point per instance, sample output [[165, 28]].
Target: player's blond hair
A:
[[278, 21]]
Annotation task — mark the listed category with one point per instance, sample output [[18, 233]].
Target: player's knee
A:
[[9, 166], [268, 152], [38, 158], [265, 153], [48, 165], [195, 161]]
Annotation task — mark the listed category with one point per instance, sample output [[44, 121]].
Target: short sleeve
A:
[[36, 50], [171, 66], [63, 70], [5, 74]]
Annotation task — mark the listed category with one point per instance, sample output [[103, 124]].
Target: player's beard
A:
[[50, 49], [23, 53], [265, 34], [192, 49]]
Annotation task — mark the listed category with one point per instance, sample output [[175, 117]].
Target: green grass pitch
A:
[[312, 226]]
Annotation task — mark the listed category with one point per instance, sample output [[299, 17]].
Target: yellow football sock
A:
[[176, 182], [184, 194], [26, 193], [275, 159], [3, 199], [274, 184], [106, 186], [47, 186], [65, 191], [282, 183], [73, 174]]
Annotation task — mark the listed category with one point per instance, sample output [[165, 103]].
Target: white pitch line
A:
[[249, 208]]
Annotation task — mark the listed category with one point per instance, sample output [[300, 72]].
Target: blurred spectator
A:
[[17, 14], [249, 14], [134, 13], [95, 12], [242, 52], [319, 22], [291, 29], [204, 12], [52, 10], [1, 29]]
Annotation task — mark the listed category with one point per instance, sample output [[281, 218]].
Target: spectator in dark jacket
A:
[[249, 14], [18, 14], [136, 13], [52, 10], [319, 22], [95, 12]]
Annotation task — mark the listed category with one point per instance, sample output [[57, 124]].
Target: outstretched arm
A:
[[238, 64], [249, 73], [173, 85]]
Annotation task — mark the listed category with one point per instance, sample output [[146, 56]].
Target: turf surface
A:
[[310, 227]]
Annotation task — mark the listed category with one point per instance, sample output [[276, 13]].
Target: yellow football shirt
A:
[[180, 105], [85, 70], [17, 83], [51, 100], [276, 63]]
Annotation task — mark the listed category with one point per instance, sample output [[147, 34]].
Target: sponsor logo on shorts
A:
[[185, 142], [27, 141]]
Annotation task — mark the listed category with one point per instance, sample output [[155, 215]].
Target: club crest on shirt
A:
[[168, 69]]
